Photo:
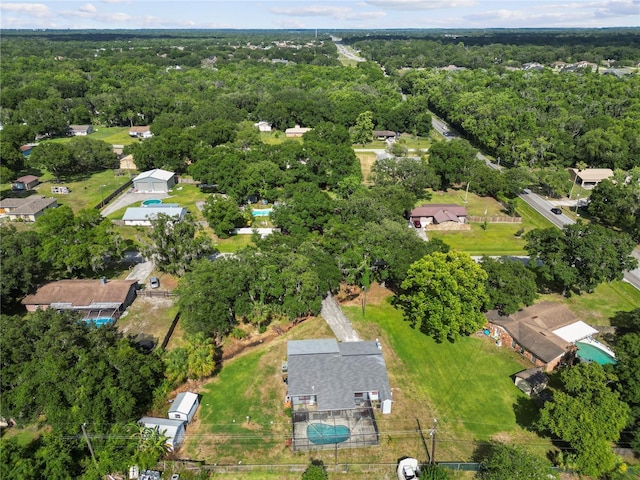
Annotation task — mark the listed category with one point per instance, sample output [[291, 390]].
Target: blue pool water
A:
[[146, 203], [594, 354], [265, 212], [99, 322], [323, 434]]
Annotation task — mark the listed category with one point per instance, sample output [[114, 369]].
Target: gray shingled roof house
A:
[[333, 384], [26, 209]]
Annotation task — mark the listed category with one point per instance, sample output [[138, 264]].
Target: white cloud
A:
[[337, 13], [34, 9], [89, 8], [420, 4]]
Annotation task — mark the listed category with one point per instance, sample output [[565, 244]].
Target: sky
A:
[[320, 14]]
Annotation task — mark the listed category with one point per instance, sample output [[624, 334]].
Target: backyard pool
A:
[[152, 202], [99, 322], [592, 351], [323, 434], [265, 212]]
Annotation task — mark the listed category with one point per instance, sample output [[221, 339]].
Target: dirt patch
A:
[[351, 296], [148, 318]]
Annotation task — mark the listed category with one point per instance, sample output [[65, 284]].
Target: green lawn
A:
[[233, 243], [606, 301], [466, 385], [86, 191], [112, 135], [498, 238]]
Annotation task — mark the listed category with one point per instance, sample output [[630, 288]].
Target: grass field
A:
[[465, 385], [111, 135], [367, 160], [85, 191], [605, 302]]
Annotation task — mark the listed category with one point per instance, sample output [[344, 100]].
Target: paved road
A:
[[543, 207], [442, 127], [348, 52], [340, 325]]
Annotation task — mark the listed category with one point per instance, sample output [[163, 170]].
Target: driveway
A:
[[129, 197], [340, 325]]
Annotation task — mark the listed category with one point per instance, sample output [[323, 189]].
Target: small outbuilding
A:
[[156, 180], [80, 130], [531, 381], [184, 406], [174, 430], [27, 182], [263, 126]]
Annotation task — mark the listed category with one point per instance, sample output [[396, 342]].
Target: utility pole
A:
[[432, 433], [86, 437]]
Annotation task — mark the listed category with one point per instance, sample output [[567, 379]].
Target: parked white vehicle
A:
[[408, 469]]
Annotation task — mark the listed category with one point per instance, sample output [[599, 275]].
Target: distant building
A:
[[384, 134], [156, 180], [296, 131], [438, 213], [590, 177], [26, 209], [80, 130], [263, 126], [141, 132], [27, 182]]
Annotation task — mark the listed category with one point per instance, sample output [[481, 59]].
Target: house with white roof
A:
[[156, 180], [142, 216], [184, 406]]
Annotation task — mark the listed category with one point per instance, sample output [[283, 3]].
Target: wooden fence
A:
[[493, 219]]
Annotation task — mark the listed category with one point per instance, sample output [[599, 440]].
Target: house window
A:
[[177, 415]]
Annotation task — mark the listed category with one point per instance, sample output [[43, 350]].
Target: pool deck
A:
[[599, 346], [362, 427]]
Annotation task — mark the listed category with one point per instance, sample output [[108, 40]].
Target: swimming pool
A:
[[153, 201], [592, 351], [265, 212], [323, 434], [99, 322]]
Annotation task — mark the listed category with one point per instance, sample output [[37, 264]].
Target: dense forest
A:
[[202, 92]]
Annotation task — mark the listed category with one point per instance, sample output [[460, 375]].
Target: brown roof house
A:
[[99, 300], [544, 333], [26, 209], [28, 182], [439, 214]]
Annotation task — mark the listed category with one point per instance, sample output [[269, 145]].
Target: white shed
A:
[[173, 429], [156, 180], [184, 406]]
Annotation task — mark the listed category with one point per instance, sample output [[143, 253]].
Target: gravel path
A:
[[340, 325]]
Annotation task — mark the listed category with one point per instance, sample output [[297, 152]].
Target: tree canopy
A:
[[444, 295], [587, 414]]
